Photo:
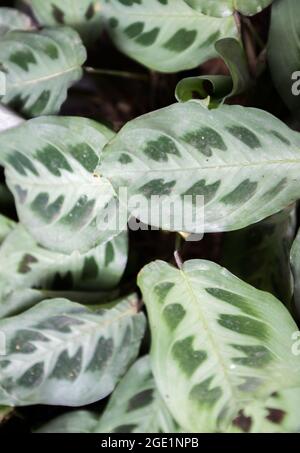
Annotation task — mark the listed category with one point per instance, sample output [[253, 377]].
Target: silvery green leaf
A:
[[5, 412], [11, 19], [24, 263], [62, 353], [278, 414], [259, 254], [217, 343], [84, 15], [244, 161], [58, 195], [134, 407], [224, 8], [15, 301], [284, 51], [166, 36], [219, 87], [40, 66], [6, 226], [8, 118], [295, 263]]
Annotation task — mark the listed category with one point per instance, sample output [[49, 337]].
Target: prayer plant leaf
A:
[[5, 413], [11, 19], [259, 254], [6, 226], [219, 87], [224, 8], [278, 414], [284, 51], [62, 353], [40, 66], [244, 161], [85, 16], [24, 264], [166, 36], [134, 407], [59, 198], [8, 118], [295, 263], [217, 343]]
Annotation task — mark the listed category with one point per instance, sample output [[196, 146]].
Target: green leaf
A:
[[244, 161], [224, 8], [166, 36], [85, 16], [40, 67], [217, 343], [62, 353], [295, 263], [24, 264], [278, 414], [6, 226], [259, 254], [135, 406], [284, 51], [50, 163], [11, 19], [73, 422], [217, 87], [5, 412]]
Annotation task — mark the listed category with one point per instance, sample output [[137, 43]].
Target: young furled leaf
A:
[[284, 51], [218, 344], [40, 66], [59, 198], [11, 19], [295, 263], [165, 35], [224, 8], [259, 254], [62, 353], [85, 16], [135, 406], [244, 161]]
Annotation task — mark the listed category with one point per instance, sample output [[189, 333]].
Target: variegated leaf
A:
[[134, 407], [215, 89], [259, 254], [8, 118], [59, 198], [40, 66], [84, 15], [18, 300], [244, 161], [24, 263], [11, 19], [278, 414], [5, 412], [217, 343], [165, 35], [6, 226], [62, 353], [295, 262], [284, 51], [224, 8]]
